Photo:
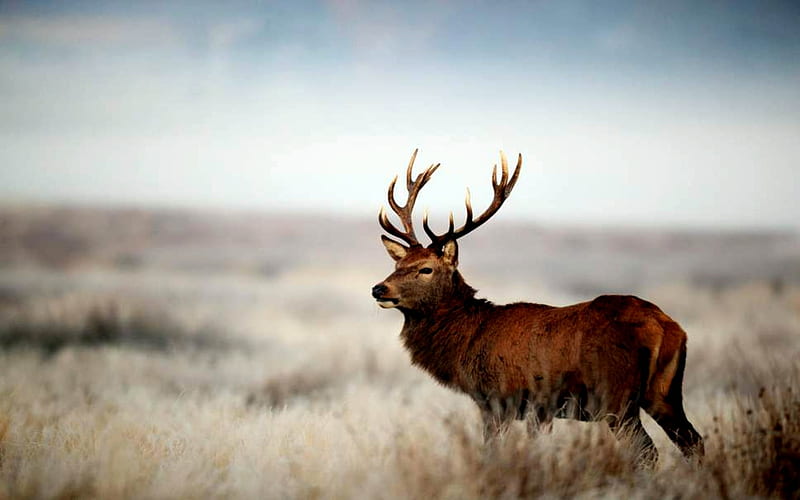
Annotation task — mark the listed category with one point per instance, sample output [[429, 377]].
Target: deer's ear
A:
[[450, 253], [395, 249]]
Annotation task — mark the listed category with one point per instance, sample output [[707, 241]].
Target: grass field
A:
[[152, 356]]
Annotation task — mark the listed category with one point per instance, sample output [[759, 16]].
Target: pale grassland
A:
[[216, 387], [147, 355]]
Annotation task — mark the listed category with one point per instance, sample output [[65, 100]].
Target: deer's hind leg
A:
[[674, 422], [667, 409], [630, 426], [627, 424]]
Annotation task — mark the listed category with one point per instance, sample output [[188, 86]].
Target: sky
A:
[[675, 113]]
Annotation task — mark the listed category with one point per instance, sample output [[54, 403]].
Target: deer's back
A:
[[610, 341]]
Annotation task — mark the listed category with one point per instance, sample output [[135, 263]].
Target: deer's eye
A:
[[425, 270]]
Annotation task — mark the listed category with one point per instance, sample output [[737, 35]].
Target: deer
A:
[[601, 360]]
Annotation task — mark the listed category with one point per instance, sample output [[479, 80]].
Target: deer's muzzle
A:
[[378, 290]]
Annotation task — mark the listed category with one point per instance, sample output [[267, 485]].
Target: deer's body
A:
[[597, 360], [583, 361]]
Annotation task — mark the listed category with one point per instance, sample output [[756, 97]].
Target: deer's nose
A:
[[378, 290]]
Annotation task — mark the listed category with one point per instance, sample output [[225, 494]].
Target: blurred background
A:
[[189, 192]]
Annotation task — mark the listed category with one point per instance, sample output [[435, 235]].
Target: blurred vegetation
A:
[[54, 326]]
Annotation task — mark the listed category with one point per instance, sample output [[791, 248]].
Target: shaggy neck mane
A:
[[437, 336]]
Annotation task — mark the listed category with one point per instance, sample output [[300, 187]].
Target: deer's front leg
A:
[[497, 414], [539, 420]]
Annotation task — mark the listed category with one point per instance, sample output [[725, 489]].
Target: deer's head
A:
[[424, 276]]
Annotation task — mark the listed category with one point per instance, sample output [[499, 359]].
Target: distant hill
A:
[[578, 259]]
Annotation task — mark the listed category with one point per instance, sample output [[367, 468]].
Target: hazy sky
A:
[[678, 112]]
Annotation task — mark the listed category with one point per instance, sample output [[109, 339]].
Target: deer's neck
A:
[[437, 338]]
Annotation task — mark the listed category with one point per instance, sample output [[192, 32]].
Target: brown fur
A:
[[602, 359]]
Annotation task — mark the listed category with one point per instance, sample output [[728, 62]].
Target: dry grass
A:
[[153, 381], [331, 408], [53, 325]]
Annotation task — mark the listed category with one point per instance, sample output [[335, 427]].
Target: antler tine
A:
[[404, 212], [468, 203], [410, 184], [433, 236], [514, 176], [415, 186], [426, 227], [390, 195], [383, 220], [502, 190]]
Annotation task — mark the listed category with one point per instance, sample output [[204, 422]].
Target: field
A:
[[180, 354]]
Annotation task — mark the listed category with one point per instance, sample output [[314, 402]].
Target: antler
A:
[[501, 191], [404, 212]]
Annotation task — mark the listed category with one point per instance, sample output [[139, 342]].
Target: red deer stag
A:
[[602, 359]]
